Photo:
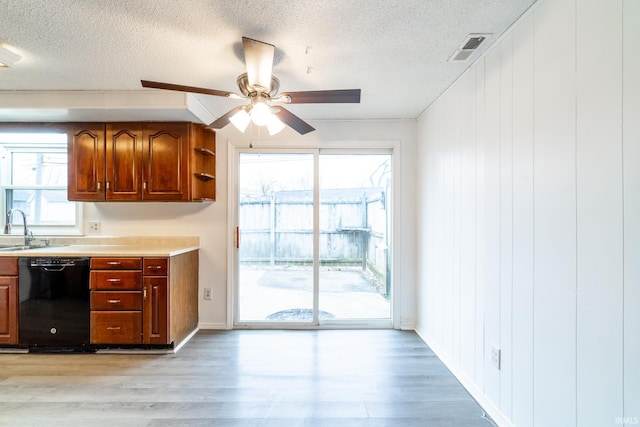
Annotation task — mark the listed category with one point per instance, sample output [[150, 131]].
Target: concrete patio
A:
[[345, 293]]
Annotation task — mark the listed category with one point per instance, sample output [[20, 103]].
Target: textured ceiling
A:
[[395, 51]]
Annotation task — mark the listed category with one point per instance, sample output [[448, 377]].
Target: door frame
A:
[[319, 147]]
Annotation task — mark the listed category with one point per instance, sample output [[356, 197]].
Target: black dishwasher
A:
[[54, 304]]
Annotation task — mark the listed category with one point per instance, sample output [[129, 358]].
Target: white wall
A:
[[528, 230], [209, 220]]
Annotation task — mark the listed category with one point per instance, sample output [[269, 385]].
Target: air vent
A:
[[470, 44]]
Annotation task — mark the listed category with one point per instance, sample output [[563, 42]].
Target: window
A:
[[33, 179]]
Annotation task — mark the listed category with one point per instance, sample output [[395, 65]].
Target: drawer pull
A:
[[154, 267], [114, 262], [114, 301], [113, 328], [114, 280]]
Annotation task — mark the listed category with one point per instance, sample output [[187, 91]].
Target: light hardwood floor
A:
[[346, 378]]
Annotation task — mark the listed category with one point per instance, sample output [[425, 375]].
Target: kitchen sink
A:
[[26, 247]]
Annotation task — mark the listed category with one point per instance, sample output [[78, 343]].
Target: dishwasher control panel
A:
[[57, 262]]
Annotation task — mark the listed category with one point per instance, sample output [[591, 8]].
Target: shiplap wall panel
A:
[[448, 212], [631, 147], [522, 321], [506, 223], [479, 95], [599, 212], [467, 124], [554, 214], [456, 294], [438, 230], [426, 221], [492, 220], [575, 158], [428, 217]]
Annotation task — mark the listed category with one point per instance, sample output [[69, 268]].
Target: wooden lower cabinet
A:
[[156, 311], [116, 327], [116, 300], [8, 310], [147, 301], [9, 300]]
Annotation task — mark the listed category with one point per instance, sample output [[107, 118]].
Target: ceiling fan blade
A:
[[180, 88], [293, 121], [224, 119], [258, 56], [345, 96]]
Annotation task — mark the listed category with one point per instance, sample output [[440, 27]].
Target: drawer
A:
[[116, 327], [106, 280], [155, 266], [127, 300], [116, 263]]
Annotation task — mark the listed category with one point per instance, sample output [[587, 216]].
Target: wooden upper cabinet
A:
[[166, 161], [86, 146], [141, 161], [124, 145]]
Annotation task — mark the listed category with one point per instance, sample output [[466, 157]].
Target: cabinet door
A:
[[86, 168], [124, 161], [8, 310], [155, 312], [166, 158]]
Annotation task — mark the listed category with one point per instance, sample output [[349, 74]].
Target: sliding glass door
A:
[[313, 238], [354, 232], [275, 250]]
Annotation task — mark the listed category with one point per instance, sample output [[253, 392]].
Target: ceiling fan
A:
[[260, 87]]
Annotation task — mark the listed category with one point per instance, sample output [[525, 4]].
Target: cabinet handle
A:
[[144, 186], [113, 263], [114, 301], [154, 267], [144, 293], [114, 280], [108, 186], [113, 328], [99, 185]]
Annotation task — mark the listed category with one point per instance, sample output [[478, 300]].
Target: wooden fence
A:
[[278, 229]]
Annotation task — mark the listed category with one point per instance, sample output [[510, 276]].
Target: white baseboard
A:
[[214, 326], [407, 326], [489, 407], [185, 340]]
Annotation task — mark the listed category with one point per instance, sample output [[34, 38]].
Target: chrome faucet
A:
[[28, 235]]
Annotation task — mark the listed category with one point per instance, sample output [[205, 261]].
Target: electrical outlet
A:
[[495, 356], [207, 293], [94, 227]]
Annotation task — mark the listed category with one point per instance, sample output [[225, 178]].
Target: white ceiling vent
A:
[[470, 44]]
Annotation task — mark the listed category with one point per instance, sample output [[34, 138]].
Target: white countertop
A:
[[108, 247]]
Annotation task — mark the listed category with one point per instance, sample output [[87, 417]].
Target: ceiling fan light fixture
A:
[[260, 113], [274, 125], [240, 120]]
